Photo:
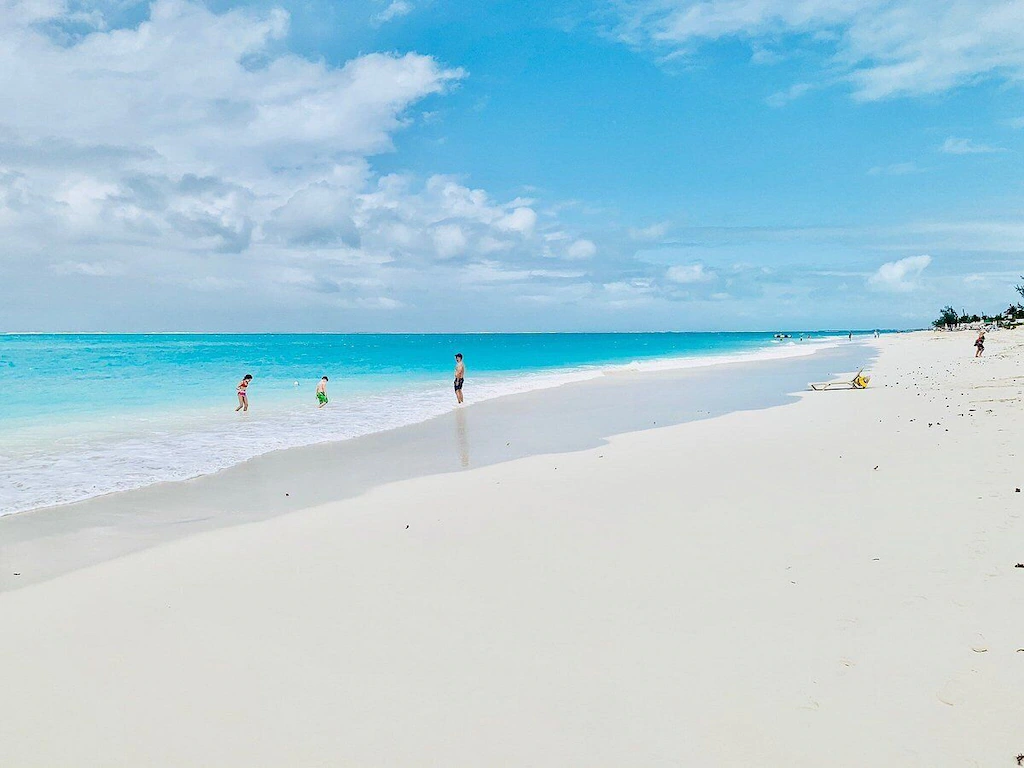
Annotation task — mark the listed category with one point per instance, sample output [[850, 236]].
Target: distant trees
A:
[[948, 316], [1015, 311]]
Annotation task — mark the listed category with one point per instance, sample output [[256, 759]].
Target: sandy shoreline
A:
[[45, 543], [829, 582]]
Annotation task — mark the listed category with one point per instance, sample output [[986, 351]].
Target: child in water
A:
[[243, 398], [321, 392]]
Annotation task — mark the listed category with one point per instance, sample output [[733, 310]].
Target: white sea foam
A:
[[137, 451]]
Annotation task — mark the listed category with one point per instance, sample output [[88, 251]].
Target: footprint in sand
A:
[[979, 645], [953, 693]]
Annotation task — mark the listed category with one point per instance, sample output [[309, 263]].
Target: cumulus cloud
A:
[[689, 273], [449, 240], [319, 215], [581, 249], [882, 48], [957, 146], [900, 276], [192, 152], [521, 220]]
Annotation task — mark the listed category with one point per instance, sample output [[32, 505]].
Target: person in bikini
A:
[[321, 392], [460, 376], [243, 398], [979, 344]]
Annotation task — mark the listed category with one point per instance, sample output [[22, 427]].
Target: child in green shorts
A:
[[321, 392]]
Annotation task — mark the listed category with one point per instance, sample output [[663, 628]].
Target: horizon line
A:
[[444, 333]]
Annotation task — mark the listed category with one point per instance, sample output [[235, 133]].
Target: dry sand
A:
[[825, 583]]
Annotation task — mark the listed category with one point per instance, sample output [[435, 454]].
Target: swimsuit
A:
[[458, 384], [321, 397], [241, 389]]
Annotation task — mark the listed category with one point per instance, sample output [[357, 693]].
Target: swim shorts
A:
[[458, 384], [321, 398]]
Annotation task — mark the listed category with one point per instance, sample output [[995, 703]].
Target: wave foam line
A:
[[33, 478]]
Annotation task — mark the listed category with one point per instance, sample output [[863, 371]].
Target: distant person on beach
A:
[[460, 376], [979, 344], [321, 392], [850, 337], [243, 397]]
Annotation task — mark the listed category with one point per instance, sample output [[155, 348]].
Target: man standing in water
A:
[[460, 376]]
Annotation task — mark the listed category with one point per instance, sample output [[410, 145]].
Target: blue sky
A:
[[402, 165]]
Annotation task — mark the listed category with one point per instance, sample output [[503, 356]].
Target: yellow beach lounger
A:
[[860, 381]]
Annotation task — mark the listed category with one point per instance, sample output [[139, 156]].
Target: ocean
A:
[[83, 415]]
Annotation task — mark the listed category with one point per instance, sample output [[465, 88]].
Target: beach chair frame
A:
[[854, 383]]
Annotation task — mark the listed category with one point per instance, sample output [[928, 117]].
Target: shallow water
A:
[[85, 415], [45, 543]]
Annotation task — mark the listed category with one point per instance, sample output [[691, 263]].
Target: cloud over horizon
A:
[[184, 165], [254, 170]]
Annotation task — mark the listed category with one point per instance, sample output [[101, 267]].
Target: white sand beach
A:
[[828, 582]]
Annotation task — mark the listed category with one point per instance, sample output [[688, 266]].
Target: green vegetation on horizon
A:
[[949, 316]]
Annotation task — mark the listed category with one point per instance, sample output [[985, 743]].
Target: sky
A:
[[557, 165]]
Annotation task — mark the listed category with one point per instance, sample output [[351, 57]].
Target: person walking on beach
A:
[[460, 376], [243, 397], [321, 392], [979, 344]]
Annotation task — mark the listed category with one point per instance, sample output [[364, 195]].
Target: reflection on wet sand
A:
[[460, 436]]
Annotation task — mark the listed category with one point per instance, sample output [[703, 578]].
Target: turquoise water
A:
[[82, 415]]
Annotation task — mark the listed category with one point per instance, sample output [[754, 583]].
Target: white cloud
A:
[[900, 276], [581, 249], [622, 294], [450, 240], [957, 146], [494, 272], [883, 48], [173, 154], [396, 9], [317, 215], [521, 220], [765, 56], [689, 273], [794, 92]]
